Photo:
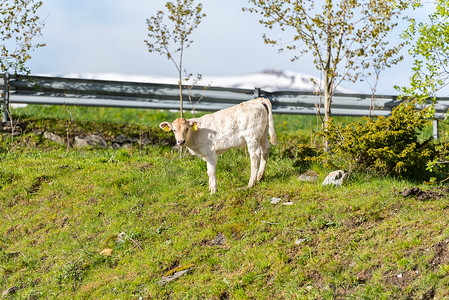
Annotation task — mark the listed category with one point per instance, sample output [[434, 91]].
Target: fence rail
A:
[[85, 92]]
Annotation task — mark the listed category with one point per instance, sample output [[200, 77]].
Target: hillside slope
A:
[[119, 224]]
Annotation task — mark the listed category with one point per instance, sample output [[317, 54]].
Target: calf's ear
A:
[[194, 126], [166, 126]]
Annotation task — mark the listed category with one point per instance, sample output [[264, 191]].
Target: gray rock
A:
[[90, 140], [144, 142], [309, 176], [12, 127], [53, 137], [336, 178], [300, 241], [219, 240], [166, 279], [10, 291], [116, 146], [122, 139], [275, 200], [127, 146]]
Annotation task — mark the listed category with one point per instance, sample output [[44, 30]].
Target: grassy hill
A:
[[118, 224]]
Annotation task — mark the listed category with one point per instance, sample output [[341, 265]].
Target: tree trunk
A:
[[180, 94], [327, 98], [328, 74], [328, 92], [328, 82]]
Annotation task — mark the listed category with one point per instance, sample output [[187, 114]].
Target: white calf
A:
[[209, 136]]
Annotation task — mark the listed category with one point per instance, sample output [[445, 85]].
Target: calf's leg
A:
[[254, 154], [211, 168], [265, 151]]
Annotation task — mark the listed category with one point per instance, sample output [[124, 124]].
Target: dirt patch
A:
[[145, 167], [430, 294], [173, 265], [425, 195], [364, 276], [62, 221], [355, 222], [401, 280], [362, 220], [441, 254], [37, 182], [315, 277]]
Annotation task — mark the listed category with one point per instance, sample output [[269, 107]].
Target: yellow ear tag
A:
[[194, 127], [166, 128]]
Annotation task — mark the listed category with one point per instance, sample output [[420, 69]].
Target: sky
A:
[[107, 36]]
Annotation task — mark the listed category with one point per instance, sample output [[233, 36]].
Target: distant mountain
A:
[[268, 80]]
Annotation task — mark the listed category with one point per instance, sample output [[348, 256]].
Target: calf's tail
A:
[[271, 131]]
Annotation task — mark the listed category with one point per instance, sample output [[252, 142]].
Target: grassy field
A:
[[104, 223]]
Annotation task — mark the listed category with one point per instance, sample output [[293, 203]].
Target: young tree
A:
[[346, 37], [172, 37], [19, 26], [430, 47]]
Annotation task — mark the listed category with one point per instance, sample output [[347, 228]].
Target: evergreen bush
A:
[[384, 145]]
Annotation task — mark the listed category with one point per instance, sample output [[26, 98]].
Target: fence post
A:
[[5, 100], [436, 133], [256, 92]]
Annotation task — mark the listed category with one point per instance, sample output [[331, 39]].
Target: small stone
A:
[[121, 139], [166, 279], [400, 275], [37, 132], [219, 240], [53, 137], [10, 291], [90, 140], [275, 200], [309, 176], [12, 127], [288, 203], [121, 237], [144, 142], [299, 241], [336, 178]]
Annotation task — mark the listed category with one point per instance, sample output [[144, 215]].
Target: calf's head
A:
[[182, 129]]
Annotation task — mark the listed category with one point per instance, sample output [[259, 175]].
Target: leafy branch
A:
[[345, 37], [19, 27], [171, 37]]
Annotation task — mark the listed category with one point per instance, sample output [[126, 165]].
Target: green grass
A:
[[152, 118], [59, 209], [284, 123]]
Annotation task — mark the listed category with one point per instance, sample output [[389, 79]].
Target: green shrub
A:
[[440, 164], [385, 145], [298, 148]]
